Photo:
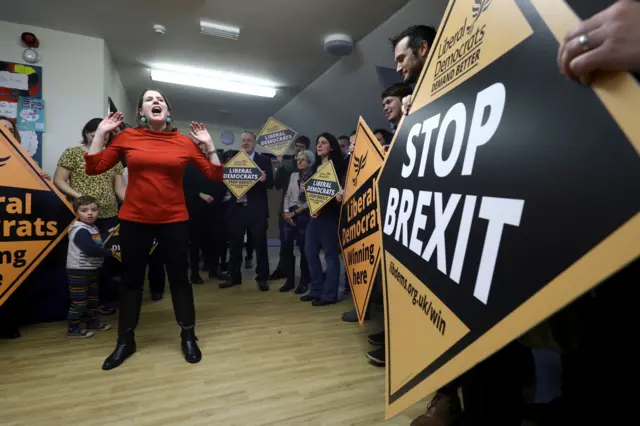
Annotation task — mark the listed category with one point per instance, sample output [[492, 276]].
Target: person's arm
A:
[[85, 243], [269, 171], [282, 175], [119, 187], [210, 166], [288, 197], [98, 161], [61, 181]]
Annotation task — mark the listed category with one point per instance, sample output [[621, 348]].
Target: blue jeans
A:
[[323, 233]]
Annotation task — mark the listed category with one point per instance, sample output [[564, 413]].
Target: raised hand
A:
[[200, 133], [263, 177], [110, 123]]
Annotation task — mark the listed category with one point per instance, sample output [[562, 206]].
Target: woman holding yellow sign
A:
[[322, 231]]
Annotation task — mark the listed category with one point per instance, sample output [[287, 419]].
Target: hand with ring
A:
[[609, 41]]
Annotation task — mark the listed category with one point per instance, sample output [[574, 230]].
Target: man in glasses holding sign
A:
[[324, 195], [248, 176]]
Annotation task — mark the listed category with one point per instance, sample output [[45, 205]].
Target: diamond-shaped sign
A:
[[240, 174], [509, 192], [276, 137], [113, 242], [34, 216], [322, 187], [359, 229]]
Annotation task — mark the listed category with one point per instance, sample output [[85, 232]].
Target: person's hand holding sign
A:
[[406, 105], [339, 196], [263, 177], [608, 41]]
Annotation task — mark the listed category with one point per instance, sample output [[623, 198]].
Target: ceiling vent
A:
[[217, 30]]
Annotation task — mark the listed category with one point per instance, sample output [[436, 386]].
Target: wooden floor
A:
[[269, 359]]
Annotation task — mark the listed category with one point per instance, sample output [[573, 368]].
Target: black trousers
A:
[[201, 237], [492, 390], [287, 262], [136, 240], [156, 274], [241, 219]]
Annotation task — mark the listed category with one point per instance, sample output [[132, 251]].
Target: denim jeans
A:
[[322, 233]]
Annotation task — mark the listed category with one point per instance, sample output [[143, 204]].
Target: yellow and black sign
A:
[[276, 137], [489, 222], [240, 174], [359, 227], [113, 242], [322, 187], [34, 216]]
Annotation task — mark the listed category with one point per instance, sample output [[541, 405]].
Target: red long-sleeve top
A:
[[156, 162]]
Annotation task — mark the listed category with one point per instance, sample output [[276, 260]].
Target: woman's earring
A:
[[168, 120], [143, 119]]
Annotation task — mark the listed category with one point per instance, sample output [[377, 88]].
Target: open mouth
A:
[[156, 110]]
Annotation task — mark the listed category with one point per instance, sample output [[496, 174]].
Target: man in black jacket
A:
[[251, 212]]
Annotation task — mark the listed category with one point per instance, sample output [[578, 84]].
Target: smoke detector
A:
[[218, 30], [159, 29], [338, 44]]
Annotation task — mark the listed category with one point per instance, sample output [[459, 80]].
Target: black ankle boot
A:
[[190, 348], [124, 349], [288, 286]]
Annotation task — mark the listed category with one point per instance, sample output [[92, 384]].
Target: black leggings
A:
[[136, 240]]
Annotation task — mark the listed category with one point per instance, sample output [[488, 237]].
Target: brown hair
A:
[[170, 126], [83, 200], [14, 132]]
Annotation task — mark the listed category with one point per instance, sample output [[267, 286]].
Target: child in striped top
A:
[[84, 261]]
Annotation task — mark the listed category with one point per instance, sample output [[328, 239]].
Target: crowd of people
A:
[[118, 176]]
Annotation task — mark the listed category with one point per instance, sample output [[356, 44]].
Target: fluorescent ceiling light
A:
[[206, 82], [207, 72], [218, 30]]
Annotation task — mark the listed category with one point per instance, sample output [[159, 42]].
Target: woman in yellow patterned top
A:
[[71, 179]]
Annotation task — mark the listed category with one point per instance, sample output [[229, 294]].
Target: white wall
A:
[[215, 130], [350, 88], [115, 89], [76, 81]]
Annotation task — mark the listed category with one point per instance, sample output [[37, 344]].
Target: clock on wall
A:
[[227, 137]]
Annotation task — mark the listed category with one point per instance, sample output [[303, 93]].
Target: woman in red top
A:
[[156, 155]]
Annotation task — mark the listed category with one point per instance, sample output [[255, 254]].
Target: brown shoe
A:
[[442, 411]]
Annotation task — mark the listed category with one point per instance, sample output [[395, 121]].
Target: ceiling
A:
[[280, 41]]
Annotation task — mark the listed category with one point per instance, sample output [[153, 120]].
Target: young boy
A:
[[84, 260]]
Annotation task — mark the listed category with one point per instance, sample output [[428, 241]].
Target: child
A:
[[84, 260]]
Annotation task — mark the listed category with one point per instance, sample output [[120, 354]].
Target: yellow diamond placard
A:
[[34, 215], [359, 230], [322, 187], [240, 174], [276, 137]]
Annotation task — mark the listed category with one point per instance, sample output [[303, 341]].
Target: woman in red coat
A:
[[156, 155]]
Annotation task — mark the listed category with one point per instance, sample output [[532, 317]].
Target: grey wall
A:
[[350, 88]]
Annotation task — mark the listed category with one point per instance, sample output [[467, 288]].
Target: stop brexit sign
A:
[[508, 192]]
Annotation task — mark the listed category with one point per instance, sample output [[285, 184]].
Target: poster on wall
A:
[[30, 115], [489, 224], [34, 215], [359, 230], [19, 80]]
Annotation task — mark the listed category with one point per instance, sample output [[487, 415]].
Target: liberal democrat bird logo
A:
[[358, 165], [3, 161], [478, 8]]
